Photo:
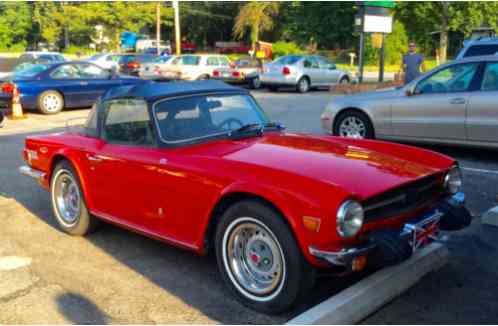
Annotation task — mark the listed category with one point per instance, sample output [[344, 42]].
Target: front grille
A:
[[402, 200]]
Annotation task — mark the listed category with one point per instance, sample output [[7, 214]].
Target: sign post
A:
[[373, 17]]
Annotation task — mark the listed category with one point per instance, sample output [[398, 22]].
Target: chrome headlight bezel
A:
[[453, 180], [350, 217]]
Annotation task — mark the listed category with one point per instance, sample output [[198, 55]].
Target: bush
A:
[[285, 48], [396, 45], [73, 49]]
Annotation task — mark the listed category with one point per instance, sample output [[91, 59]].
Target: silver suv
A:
[[302, 72], [479, 47]]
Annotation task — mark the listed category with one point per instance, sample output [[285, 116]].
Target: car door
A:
[[312, 70], [436, 108], [68, 80], [328, 70], [482, 112], [124, 167], [98, 80]]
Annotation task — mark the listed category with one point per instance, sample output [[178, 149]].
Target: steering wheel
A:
[[230, 122]]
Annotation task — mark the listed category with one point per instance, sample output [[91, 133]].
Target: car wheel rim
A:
[[303, 85], [253, 259], [67, 198], [51, 102], [344, 81], [256, 83], [352, 127]]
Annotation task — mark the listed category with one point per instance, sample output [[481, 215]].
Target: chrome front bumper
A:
[[33, 173], [410, 232]]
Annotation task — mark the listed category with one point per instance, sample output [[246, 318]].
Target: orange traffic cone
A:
[[16, 105]]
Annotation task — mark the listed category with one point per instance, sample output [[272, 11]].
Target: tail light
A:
[[236, 74], [8, 88], [216, 73], [133, 65], [286, 71]]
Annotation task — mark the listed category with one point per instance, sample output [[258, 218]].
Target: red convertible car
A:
[[200, 166]]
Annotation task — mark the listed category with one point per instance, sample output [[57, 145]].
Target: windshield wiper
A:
[[277, 125], [247, 130]]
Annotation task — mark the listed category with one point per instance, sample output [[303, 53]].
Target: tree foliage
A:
[[327, 24], [15, 24], [257, 16]]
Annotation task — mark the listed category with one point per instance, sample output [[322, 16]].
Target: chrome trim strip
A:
[[342, 257], [33, 173]]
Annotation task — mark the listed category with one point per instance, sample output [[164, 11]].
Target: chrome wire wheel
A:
[[51, 102], [253, 259], [352, 127], [66, 198]]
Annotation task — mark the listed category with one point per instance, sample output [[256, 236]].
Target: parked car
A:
[[153, 70], [200, 166], [302, 72], [452, 104], [480, 47], [53, 87], [105, 60], [130, 64], [36, 57], [195, 67], [243, 71]]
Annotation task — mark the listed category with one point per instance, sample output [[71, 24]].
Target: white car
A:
[[195, 67], [105, 60], [154, 70], [302, 72]]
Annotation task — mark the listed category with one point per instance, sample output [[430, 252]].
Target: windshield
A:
[[190, 60], [205, 116], [29, 70], [288, 60]]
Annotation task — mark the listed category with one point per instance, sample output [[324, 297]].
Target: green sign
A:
[[383, 4]]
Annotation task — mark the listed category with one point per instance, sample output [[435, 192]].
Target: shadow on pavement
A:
[[80, 310]]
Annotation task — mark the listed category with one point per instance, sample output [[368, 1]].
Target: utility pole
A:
[[176, 8], [158, 27], [361, 54]]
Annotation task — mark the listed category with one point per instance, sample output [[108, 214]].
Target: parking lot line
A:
[[485, 171]]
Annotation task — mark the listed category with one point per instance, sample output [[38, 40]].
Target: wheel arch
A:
[[352, 109], [229, 199], [66, 156]]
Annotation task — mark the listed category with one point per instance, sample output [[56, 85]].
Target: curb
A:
[[367, 296]]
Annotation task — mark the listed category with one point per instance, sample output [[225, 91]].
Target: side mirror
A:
[[410, 91]]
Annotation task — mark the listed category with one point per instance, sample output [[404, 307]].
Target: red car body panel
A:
[[171, 193]]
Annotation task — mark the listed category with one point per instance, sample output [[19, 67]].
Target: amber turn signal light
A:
[[311, 223], [359, 263]]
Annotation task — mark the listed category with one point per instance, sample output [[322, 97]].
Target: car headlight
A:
[[453, 180], [349, 218]]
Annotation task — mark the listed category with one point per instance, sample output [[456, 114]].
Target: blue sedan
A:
[[53, 87]]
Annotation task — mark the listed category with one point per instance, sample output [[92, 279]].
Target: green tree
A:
[[422, 18], [258, 16], [328, 24], [15, 24]]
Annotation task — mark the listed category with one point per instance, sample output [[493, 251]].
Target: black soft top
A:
[[151, 91]]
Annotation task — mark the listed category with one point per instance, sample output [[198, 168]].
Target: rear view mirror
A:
[[209, 105]]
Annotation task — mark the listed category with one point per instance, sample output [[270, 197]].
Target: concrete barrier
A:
[[367, 296]]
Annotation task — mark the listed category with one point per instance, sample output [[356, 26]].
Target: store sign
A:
[[377, 24]]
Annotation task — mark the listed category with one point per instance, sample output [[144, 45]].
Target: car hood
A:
[[357, 169]]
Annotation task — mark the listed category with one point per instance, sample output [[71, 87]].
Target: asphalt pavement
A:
[[116, 276]]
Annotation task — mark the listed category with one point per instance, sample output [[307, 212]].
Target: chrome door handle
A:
[[94, 158], [83, 83], [458, 100]]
